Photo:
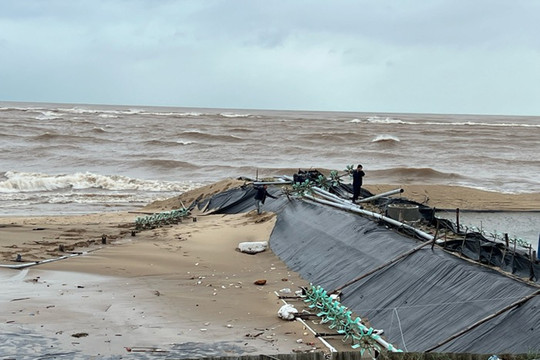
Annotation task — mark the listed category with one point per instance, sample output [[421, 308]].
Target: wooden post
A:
[[531, 264], [435, 237], [463, 244], [513, 253], [457, 219], [491, 254], [479, 249], [504, 252], [538, 258]]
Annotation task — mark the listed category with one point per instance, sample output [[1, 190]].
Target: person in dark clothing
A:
[[357, 176], [260, 197]]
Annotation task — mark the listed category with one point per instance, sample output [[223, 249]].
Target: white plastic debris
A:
[[287, 311], [334, 296], [253, 247], [285, 291]]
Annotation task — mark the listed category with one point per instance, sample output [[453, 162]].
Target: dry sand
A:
[[182, 288]]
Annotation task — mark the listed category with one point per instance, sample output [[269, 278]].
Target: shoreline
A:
[[42, 235]]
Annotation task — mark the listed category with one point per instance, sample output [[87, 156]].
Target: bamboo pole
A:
[[457, 219], [487, 318], [356, 209], [388, 193]]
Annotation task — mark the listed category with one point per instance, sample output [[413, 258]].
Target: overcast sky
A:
[[436, 56]]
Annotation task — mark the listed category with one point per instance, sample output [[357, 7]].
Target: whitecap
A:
[[181, 114], [47, 115], [233, 115], [34, 182], [385, 138], [388, 120]]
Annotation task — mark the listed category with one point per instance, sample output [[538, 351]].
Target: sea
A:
[[78, 158]]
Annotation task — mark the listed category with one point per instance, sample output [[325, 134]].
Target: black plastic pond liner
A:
[[421, 300]]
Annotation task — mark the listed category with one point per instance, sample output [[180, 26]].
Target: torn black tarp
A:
[[420, 301]]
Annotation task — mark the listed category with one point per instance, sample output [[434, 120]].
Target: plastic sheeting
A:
[[420, 301], [475, 247]]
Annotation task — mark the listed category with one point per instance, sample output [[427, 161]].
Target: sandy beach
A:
[[184, 289]]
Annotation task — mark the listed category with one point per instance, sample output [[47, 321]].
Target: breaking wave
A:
[[385, 138], [16, 182], [48, 115], [392, 121], [233, 115]]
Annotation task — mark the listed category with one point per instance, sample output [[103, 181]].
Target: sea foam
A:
[[30, 182]]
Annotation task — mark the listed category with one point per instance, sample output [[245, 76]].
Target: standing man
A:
[[260, 197], [357, 176]]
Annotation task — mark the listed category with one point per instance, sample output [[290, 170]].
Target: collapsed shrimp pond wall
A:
[[420, 301]]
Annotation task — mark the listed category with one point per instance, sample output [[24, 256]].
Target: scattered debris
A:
[[287, 312], [79, 335], [255, 335], [145, 349], [18, 299], [260, 282], [253, 247]]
